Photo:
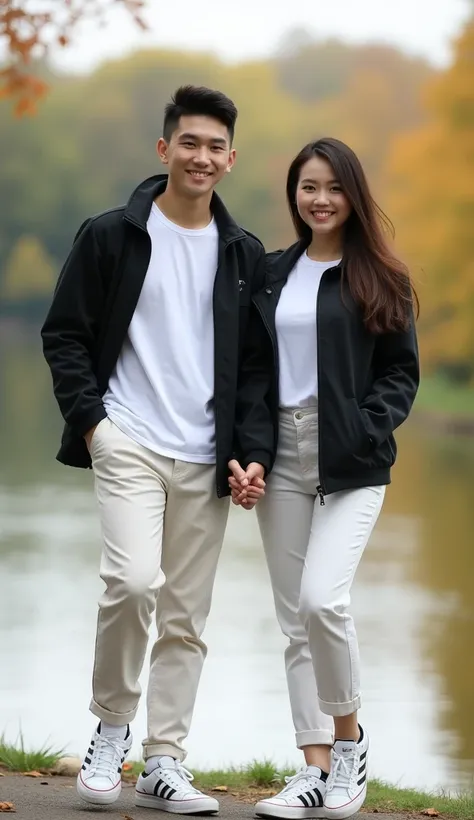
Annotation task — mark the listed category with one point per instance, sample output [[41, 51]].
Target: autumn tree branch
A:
[[31, 28]]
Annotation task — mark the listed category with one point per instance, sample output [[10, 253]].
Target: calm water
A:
[[413, 602]]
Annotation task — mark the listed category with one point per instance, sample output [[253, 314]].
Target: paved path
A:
[[57, 800]]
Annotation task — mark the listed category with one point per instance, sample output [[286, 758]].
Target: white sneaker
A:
[[100, 780], [347, 782], [168, 787], [302, 797]]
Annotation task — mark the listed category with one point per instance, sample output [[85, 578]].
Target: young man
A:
[[148, 342]]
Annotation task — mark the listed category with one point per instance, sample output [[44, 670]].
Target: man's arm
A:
[[254, 435], [70, 333]]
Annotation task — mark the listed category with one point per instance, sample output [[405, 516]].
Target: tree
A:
[[432, 173], [30, 273], [30, 29]]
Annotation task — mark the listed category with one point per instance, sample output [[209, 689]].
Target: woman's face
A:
[[320, 200]]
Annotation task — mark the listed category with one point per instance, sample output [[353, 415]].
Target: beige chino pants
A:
[[163, 528]]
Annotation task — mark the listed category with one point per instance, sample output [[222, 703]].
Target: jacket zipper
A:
[[267, 328], [269, 291], [320, 489], [219, 488]]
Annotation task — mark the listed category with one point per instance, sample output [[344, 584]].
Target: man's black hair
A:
[[190, 100]]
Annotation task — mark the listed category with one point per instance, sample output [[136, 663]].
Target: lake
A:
[[413, 602]]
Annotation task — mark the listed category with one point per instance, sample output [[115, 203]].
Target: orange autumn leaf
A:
[[29, 34]]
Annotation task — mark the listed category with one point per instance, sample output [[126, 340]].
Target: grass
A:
[[442, 396], [260, 779], [386, 798], [15, 758], [256, 775]]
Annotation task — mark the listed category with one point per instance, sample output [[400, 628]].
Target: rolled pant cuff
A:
[[314, 737], [114, 718], [153, 749], [340, 709]]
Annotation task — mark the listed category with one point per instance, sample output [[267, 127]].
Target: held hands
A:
[[247, 486]]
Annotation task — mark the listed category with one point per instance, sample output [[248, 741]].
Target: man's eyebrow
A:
[[215, 140]]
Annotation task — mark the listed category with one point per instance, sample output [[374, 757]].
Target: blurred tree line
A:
[[94, 139], [431, 176]]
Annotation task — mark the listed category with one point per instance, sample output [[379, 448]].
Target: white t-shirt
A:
[[297, 333], [161, 392]]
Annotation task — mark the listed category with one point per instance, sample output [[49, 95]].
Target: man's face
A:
[[198, 155]]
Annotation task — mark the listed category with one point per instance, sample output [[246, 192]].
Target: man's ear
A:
[[231, 162], [162, 150]]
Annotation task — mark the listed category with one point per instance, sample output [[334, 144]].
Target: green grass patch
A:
[[388, 798], [260, 778], [442, 396], [259, 774], [265, 776], [16, 758]]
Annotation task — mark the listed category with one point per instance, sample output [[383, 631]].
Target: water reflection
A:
[[413, 604]]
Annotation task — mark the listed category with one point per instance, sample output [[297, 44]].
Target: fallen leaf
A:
[[127, 817], [430, 813], [127, 767], [32, 774], [220, 789], [7, 807]]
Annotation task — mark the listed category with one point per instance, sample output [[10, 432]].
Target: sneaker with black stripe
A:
[[167, 786], [100, 778], [302, 797], [347, 782]]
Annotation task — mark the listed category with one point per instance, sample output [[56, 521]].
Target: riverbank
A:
[[445, 406], [56, 799], [19, 768]]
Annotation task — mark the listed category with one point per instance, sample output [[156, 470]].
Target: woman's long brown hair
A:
[[378, 281]]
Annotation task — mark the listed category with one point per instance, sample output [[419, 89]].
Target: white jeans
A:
[[313, 552], [163, 528]]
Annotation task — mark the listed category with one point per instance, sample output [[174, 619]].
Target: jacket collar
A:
[[139, 205], [281, 263]]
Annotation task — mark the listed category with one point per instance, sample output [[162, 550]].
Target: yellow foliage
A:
[[431, 174], [29, 271]]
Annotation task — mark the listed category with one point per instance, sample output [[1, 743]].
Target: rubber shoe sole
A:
[[201, 805], [98, 798], [264, 809], [347, 810]]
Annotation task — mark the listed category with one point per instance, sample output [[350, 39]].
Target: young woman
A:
[[339, 310]]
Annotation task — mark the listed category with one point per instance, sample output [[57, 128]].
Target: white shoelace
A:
[[294, 783], [107, 755], [178, 775], [342, 770]]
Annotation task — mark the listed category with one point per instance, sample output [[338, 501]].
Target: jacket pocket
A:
[[346, 442], [362, 441]]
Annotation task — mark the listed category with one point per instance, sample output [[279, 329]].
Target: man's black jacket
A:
[[94, 302]]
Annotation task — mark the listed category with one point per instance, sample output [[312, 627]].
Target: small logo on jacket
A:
[[242, 284]]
